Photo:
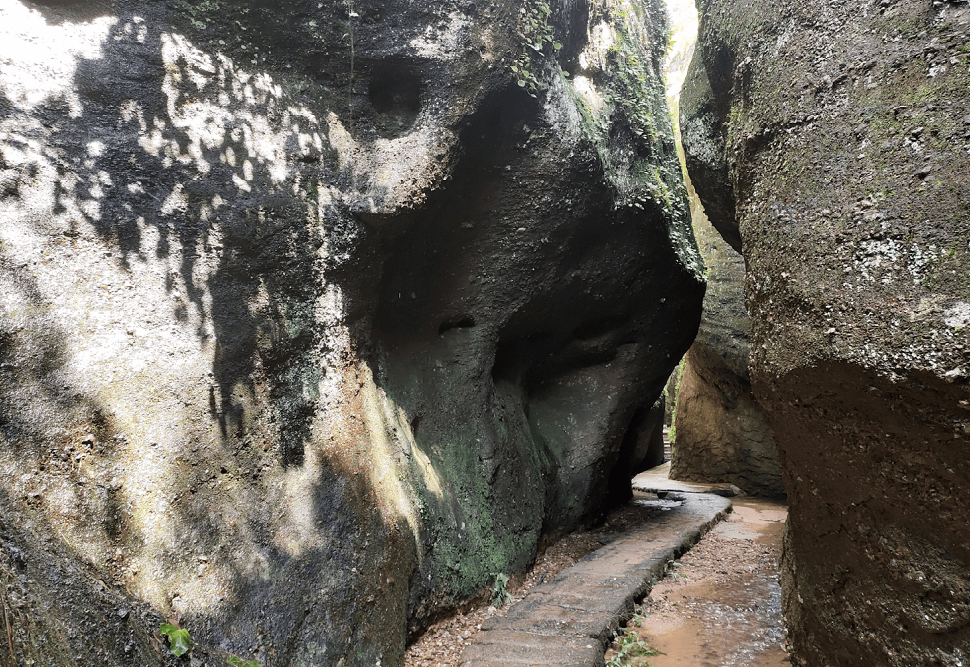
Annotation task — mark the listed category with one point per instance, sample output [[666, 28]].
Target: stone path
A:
[[568, 621], [655, 481]]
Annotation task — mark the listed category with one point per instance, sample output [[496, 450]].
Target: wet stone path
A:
[[720, 605], [717, 605], [568, 622]]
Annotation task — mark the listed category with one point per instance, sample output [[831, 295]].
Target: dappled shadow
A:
[[165, 337]]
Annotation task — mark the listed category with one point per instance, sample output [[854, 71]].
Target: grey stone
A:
[[283, 239], [570, 619]]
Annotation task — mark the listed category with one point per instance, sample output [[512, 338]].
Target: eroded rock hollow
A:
[[318, 316], [831, 144]]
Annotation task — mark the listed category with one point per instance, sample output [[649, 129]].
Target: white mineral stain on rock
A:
[[585, 87], [957, 315], [443, 41], [602, 39]]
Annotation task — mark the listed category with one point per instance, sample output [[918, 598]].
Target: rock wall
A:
[[722, 434], [840, 132], [318, 316]]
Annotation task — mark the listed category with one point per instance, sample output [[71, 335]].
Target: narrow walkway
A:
[[568, 621], [656, 480]]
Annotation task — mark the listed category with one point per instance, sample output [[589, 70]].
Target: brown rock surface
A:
[[722, 433], [838, 129]]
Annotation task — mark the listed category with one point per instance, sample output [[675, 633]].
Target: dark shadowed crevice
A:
[[395, 94], [457, 323]]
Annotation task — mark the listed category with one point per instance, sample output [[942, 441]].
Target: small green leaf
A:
[[521, 83], [239, 662], [179, 641], [556, 45]]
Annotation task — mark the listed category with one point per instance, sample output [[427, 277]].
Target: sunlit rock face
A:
[[317, 316], [722, 434], [841, 132]]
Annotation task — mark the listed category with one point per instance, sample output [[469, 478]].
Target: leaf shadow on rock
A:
[[191, 206]]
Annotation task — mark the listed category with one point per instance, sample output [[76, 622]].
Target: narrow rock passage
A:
[[720, 605]]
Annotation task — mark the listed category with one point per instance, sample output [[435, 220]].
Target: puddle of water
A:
[[734, 625], [729, 614], [753, 519]]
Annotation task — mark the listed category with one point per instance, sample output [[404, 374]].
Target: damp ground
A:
[[720, 604]]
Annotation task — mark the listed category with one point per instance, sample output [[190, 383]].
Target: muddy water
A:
[[721, 605]]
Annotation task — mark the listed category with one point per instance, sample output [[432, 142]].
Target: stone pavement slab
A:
[[656, 480], [569, 620]]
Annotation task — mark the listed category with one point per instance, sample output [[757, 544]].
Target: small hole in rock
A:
[[460, 323]]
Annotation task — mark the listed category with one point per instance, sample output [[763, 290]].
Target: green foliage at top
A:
[[179, 641], [536, 34]]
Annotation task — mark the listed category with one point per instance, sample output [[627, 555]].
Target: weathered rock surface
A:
[[843, 136], [722, 434], [317, 316]]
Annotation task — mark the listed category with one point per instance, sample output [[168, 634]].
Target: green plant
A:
[[500, 594], [536, 33], [239, 662], [179, 641], [628, 646], [672, 434]]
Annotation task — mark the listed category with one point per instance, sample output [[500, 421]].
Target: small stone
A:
[[954, 374], [123, 613], [924, 171]]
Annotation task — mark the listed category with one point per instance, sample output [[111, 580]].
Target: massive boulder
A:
[[841, 132], [722, 434], [317, 316]]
